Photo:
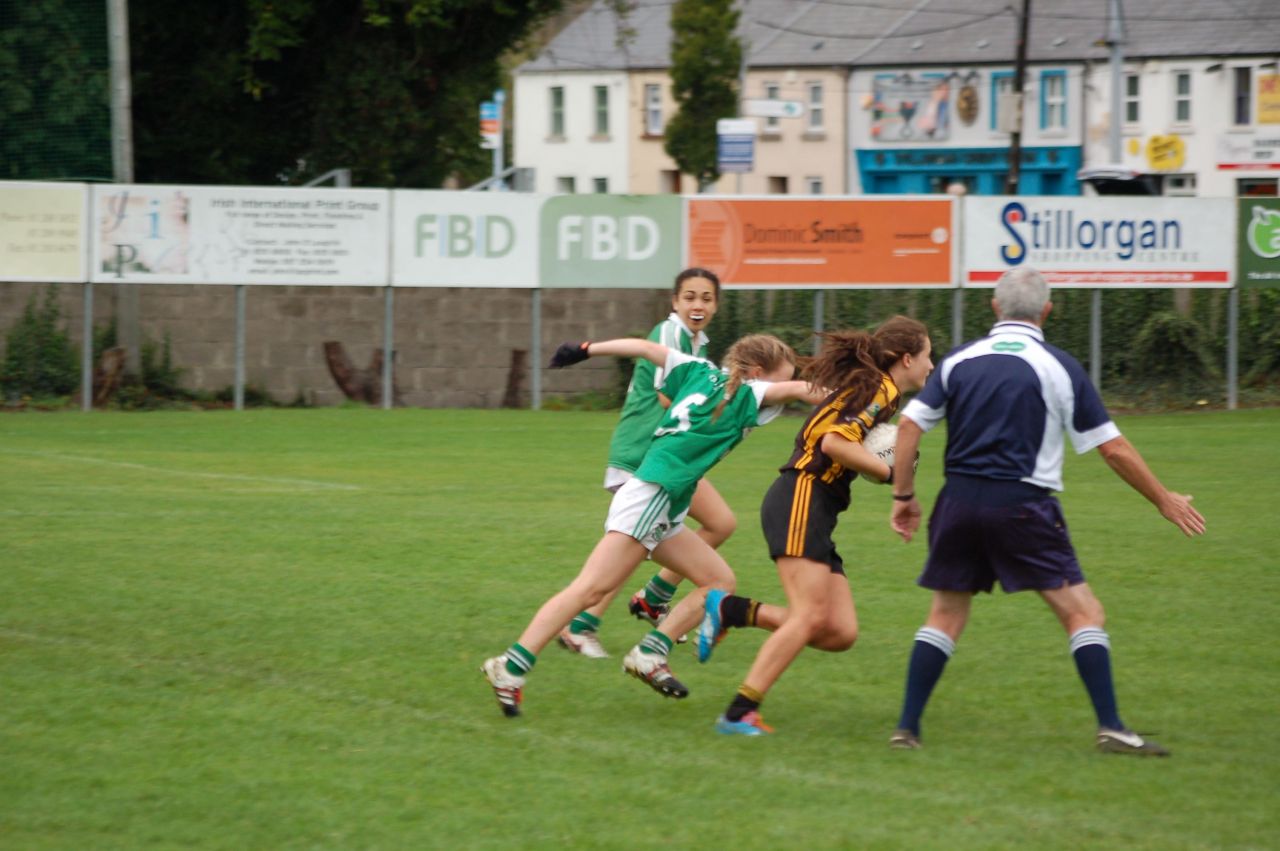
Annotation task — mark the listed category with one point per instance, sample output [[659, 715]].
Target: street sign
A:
[[769, 108], [490, 125], [735, 145]]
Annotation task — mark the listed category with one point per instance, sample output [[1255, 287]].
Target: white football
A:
[[880, 442]]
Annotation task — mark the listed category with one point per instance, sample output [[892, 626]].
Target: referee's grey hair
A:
[[1021, 293]]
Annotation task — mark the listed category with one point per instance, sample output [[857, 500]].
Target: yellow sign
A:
[[1269, 98], [1166, 153], [42, 231]]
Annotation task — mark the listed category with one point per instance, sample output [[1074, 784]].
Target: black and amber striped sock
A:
[[738, 611], [746, 700]]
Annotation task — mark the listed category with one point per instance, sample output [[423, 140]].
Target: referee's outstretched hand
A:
[[568, 354]]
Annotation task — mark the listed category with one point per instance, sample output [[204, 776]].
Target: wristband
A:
[[904, 497]]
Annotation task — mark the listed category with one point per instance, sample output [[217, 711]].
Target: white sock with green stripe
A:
[[655, 644], [519, 660], [658, 591]]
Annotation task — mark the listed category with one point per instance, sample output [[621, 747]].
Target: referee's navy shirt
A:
[[1008, 398]]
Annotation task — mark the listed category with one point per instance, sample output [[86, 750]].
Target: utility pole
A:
[[1115, 41], [1019, 71], [122, 168]]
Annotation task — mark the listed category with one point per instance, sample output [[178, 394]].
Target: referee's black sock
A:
[[929, 656]]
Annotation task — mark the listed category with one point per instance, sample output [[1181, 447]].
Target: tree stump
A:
[[515, 377], [360, 385], [107, 375]]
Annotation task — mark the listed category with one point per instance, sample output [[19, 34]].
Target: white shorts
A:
[[616, 477], [641, 509]]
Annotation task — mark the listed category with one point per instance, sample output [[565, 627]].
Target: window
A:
[[1001, 84], [813, 185], [602, 110], [816, 113], [557, 112], [565, 185], [1053, 100], [1180, 185], [771, 92], [1243, 101], [1182, 97], [600, 185], [951, 184], [653, 109], [777, 186], [1256, 187], [669, 181], [1132, 98]]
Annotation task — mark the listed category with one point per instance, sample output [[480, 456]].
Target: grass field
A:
[[262, 630]]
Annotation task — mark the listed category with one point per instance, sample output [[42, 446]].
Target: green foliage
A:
[[705, 61], [1179, 361], [1170, 352], [281, 91], [54, 98], [159, 375], [39, 359]]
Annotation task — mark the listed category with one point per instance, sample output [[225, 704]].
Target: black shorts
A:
[[798, 515], [975, 539]]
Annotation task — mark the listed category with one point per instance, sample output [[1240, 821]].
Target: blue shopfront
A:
[[982, 171]]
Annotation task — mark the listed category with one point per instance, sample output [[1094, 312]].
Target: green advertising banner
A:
[[1258, 243], [622, 241]]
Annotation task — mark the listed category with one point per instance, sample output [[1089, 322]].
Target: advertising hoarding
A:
[[43, 232], [623, 241], [820, 242], [1104, 242], [1259, 242], [472, 239], [239, 235]]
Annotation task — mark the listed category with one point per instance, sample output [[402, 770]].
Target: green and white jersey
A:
[[641, 412], [691, 437]]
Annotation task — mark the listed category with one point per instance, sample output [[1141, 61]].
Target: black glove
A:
[[568, 354]]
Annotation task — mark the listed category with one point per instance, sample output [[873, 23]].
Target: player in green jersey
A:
[[712, 410], [694, 300]]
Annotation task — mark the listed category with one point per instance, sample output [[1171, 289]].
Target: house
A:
[[919, 96]]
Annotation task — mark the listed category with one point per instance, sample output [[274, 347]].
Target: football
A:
[[880, 442]]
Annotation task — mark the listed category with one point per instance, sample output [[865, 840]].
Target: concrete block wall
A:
[[453, 345]]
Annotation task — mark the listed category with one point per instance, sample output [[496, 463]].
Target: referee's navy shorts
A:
[[798, 515], [982, 530]]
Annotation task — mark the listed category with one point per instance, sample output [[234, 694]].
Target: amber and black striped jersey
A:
[[834, 415]]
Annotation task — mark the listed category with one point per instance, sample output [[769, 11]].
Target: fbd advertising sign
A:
[[1111, 242], [473, 239], [620, 241], [1259, 242]]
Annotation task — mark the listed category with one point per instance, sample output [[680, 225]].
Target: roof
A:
[[924, 32]]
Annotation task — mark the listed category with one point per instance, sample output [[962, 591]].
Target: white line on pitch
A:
[[275, 480]]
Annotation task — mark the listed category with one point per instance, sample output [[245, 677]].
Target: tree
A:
[[53, 91], [705, 60], [281, 91]]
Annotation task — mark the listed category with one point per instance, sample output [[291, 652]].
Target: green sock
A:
[[584, 622], [655, 643], [519, 660], [658, 591]]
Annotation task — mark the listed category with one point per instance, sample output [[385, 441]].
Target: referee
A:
[[1008, 399]]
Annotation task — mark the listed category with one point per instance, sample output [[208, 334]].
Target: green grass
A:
[[263, 630]]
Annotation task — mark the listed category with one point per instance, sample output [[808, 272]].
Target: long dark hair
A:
[[855, 360]]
